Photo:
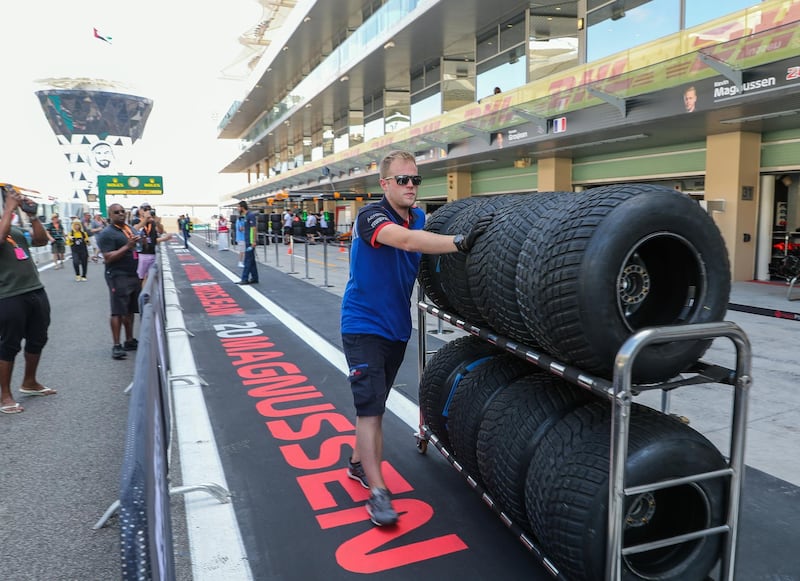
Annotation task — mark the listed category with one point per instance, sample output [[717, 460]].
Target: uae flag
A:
[[102, 37]]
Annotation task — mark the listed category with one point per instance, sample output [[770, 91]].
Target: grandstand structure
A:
[[694, 95]]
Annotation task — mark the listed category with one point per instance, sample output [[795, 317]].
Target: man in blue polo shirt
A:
[[388, 242]]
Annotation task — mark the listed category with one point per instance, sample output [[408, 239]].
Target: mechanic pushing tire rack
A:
[[621, 392], [593, 484]]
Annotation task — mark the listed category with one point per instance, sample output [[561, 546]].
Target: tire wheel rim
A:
[[658, 515], [662, 281]]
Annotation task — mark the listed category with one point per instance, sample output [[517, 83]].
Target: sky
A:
[[171, 51]]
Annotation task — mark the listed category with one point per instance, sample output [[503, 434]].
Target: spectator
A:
[[24, 306], [288, 218], [96, 226], [240, 224], [249, 270], [56, 236], [497, 90], [118, 244], [78, 241], [388, 240], [185, 228], [311, 227], [222, 233], [151, 233]]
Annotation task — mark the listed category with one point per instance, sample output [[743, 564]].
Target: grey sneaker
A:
[[117, 352], [356, 472], [379, 508]]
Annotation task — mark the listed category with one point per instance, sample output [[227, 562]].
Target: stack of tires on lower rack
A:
[[573, 275]]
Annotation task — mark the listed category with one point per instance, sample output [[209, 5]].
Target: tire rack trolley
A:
[[621, 392]]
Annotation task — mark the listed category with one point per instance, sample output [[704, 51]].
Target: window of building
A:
[[501, 56], [617, 25], [700, 11], [553, 39]]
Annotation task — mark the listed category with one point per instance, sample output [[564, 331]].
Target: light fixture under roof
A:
[[388, 45], [344, 78]]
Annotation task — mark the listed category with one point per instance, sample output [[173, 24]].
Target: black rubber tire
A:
[[441, 376], [470, 401], [510, 431], [492, 264], [430, 267], [615, 260], [455, 281], [567, 495]]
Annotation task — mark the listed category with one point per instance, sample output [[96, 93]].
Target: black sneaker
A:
[[356, 472], [379, 508], [117, 352], [131, 344]]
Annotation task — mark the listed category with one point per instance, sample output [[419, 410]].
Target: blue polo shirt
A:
[[377, 298]]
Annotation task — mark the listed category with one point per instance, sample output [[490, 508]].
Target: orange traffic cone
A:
[[289, 250], [341, 247]]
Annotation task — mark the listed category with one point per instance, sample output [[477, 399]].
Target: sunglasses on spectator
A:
[[117, 211], [402, 180]]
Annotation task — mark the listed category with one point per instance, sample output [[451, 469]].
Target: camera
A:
[[26, 205]]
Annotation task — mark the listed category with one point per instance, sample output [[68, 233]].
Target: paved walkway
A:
[[60, 459]]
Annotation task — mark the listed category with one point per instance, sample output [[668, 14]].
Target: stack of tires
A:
[[574, 275]]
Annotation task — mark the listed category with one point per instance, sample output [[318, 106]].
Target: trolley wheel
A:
[[422, 444]]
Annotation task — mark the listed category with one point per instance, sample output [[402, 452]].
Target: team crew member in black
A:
[[24, 306], [118, 242], [388, 242]]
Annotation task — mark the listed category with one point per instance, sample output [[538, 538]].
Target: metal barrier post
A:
[[291, 253], [325, 262], [306, 277], [277, 260]]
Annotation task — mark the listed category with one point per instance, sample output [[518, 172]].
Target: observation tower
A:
[[96, 123]]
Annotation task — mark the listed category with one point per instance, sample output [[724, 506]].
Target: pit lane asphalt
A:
[[60, 459]]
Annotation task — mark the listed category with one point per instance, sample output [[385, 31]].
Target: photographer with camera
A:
[[24, 306], [152, 232]]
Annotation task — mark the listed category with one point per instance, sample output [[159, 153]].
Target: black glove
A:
[[465, 243]]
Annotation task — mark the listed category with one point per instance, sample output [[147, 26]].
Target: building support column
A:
[[733, 162], [554, 174], [766, 202], [459, 185]]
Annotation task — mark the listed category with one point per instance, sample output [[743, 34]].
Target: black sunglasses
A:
[[117, 211], [402, 180]]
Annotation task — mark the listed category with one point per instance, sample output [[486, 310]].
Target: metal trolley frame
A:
[[621, 391]]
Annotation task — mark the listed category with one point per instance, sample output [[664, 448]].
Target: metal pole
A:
[[306, 277], [291, 253], [325, 261], [277, 260]]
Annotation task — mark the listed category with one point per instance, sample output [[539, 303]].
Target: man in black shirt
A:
[[118, 242]]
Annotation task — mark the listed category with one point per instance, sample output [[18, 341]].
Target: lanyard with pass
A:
[[19, 251]]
